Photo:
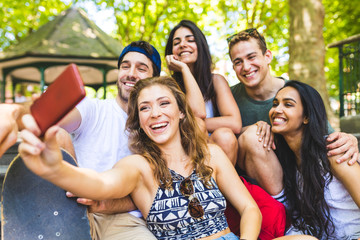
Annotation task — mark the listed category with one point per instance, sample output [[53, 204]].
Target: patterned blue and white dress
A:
[[169, 217]]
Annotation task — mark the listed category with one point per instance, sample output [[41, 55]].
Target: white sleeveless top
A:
[[343, 210], [209, 109]]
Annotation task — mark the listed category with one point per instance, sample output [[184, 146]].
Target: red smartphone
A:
[[59, 98]]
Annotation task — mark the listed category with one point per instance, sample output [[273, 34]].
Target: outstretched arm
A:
[[11, 123], [225, 174], [45, 160]]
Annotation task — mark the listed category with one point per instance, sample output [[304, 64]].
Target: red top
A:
[[273, 214]]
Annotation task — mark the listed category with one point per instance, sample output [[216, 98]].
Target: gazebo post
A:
[[13, 89], [104, 72], [42, 79], [3, 84], [341, 81]]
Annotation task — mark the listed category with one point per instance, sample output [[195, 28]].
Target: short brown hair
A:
[[246, 35]]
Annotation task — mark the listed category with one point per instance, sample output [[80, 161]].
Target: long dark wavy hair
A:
[[203, 65], [308, 209], [192, 138]]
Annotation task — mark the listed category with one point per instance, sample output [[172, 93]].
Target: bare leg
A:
[[259, 163], [297, 237], [226, 139]]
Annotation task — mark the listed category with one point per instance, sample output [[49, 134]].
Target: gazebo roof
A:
[[70, 38], [345, 41]]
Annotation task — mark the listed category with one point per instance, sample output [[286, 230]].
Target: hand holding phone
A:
[[60, 98]]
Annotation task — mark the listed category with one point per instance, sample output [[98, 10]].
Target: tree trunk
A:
[[306, 45]]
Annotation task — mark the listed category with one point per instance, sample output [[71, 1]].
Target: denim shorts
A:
[[229, 236]]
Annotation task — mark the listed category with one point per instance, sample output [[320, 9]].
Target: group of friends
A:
[[162, 160]]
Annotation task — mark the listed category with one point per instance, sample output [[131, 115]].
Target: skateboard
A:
[[33, 208]]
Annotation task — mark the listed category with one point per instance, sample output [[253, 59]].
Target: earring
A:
[[182, 116]]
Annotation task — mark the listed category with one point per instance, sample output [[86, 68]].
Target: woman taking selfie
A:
[[176, 179]]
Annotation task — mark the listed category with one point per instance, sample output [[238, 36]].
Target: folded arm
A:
[[110, 206]]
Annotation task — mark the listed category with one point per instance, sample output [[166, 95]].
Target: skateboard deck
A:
[[33, 208]]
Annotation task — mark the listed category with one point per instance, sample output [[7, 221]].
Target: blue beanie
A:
[[154, 57]]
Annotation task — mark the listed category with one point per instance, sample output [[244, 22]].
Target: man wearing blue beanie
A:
[[100, 140]]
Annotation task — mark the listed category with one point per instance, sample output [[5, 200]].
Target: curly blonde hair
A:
[[192, 138]]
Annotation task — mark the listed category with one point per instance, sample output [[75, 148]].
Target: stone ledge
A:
[[350, 124]]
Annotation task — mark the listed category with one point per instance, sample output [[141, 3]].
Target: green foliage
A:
[[341, 21], [152, 20], [21, 18], [270, 17], [111, 92]]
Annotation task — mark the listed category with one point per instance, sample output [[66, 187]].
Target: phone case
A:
[[59, 98]]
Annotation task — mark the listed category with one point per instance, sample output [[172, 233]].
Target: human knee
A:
[[224, 137], [249, 139], [296, 237]]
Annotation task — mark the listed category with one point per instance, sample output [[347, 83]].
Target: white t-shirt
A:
[[101, 140]]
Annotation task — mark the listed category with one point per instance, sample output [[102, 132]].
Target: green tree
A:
[[150, 20], [270, 17], [307, 48], [21, 18], [341, 21]]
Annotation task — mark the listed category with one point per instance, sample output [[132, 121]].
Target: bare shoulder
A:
[[216, 154], [221, 85], [213, 148], [219, 79], [278, 82]]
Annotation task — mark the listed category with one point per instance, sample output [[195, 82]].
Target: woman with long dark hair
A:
[[322, 197], [188, 56]]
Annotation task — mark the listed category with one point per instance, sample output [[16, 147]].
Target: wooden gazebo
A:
[[70, 38]]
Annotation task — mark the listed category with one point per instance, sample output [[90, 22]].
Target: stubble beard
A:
[[123, 95]]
